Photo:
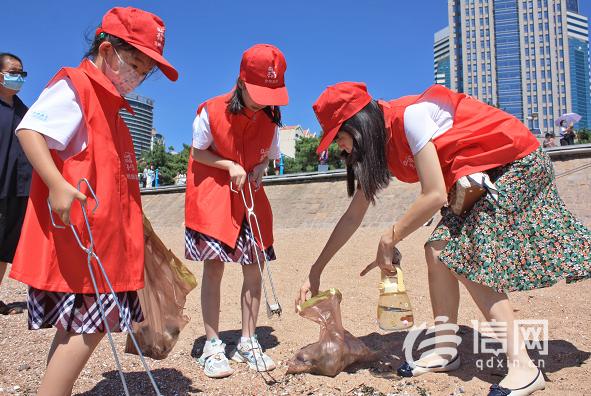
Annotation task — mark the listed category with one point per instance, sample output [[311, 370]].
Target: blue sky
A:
[[386, 43]]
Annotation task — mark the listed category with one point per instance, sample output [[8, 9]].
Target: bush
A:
[[584, 135], [168, 164], [306, 159]]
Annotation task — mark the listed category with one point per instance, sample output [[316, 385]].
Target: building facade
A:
[[578, 50], [157, 139], [527, 57], [441, 56], [288, 135], [140, 124]]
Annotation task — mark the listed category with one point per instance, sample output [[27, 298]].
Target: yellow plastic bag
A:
[[167, 284], [337, 348]]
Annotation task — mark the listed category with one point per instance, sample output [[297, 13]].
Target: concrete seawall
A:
[[320, 204]]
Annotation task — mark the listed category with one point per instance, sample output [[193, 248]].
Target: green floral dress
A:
[[526, 240]]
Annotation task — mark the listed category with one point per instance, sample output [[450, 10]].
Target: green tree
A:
[[306, 159], [584, 135], [168, 164], [178, 162]]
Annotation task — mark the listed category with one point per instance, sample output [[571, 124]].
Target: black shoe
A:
[[537, 384]]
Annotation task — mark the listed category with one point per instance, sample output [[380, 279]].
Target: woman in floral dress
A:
[[521, 238]]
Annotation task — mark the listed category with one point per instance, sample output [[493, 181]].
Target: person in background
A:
[[549, 141], [15, 170], [150, 176], [567, 133]]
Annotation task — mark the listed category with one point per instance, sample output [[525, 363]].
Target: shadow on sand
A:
[[170, 382]]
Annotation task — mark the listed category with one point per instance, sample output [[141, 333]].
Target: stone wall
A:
[[320, 204]]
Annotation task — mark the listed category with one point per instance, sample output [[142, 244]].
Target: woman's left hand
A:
[[257, 174], [384, 256]]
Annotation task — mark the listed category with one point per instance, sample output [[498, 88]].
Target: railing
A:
[[556, 153], [578, 150]]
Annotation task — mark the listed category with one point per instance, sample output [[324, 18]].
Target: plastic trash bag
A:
[[167, 283], [337, 348]]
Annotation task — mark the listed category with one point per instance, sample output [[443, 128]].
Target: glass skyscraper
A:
[[578, 50], [572, 5], [527, 57], [441, 55], [140, 124], [508, 56]]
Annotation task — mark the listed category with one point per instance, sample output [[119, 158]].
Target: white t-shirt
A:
[[203, 139], [426, 120], [57, 115]]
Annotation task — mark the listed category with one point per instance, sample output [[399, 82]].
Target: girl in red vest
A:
[[234, 136], [74, 131], [525, 240]]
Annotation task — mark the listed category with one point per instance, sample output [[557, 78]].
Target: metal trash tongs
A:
[[275, 308], [89, 250]]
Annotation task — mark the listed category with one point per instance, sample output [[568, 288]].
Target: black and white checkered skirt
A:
[[201, 247], [80, 313]]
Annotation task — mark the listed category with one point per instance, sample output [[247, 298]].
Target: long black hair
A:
[[367, 164], [236, 105]]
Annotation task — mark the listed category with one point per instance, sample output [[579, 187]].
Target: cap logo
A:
[[159, 42], [271, 76]]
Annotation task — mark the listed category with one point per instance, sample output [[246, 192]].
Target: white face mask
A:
[[126, 79]]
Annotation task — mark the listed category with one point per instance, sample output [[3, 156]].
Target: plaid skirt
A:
[[201, 247], [80, 313]]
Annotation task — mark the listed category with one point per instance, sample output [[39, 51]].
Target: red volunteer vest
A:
[[482, 137], [50, 259], [210, 206]]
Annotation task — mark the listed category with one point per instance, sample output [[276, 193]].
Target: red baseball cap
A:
[[142, 30], [336, 105], [262, 70]]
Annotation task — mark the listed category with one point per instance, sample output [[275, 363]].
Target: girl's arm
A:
[[207, 157], [61, 193], [344, 229], [433, 196]]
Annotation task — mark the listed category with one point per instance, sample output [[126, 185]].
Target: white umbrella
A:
[[570, 118]]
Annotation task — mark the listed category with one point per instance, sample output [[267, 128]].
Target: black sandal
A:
[[537, 384], [11, 309]]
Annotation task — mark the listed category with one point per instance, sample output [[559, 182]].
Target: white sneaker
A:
[[252, 353], [214, 361]]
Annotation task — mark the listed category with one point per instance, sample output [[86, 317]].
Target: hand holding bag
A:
[[468, 189]]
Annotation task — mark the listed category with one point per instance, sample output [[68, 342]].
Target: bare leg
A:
[[496, 306], [60, 337], [250, 298], [68, 356], [213, 271], [445, 299]]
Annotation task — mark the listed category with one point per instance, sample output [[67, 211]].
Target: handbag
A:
[[469, 189]]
